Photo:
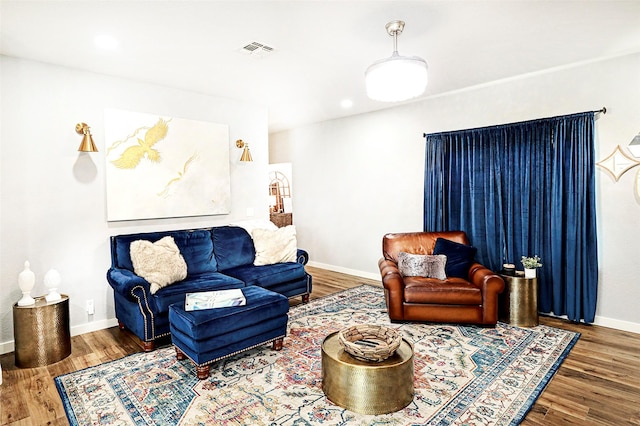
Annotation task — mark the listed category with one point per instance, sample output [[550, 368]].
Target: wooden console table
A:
[[282, 219]]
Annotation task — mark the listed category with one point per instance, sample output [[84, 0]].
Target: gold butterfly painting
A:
[[132, 156]]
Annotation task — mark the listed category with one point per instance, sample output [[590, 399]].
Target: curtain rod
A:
[[603, 110]]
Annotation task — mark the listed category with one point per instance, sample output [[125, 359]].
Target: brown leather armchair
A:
[[453, 300]]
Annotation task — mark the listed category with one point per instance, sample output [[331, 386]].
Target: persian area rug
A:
[[464, 375]]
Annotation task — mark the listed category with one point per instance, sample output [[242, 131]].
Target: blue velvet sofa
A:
[[217, 258]]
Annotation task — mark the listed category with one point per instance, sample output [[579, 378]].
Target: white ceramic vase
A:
[[529, 273], [52, 282], [26, 281]]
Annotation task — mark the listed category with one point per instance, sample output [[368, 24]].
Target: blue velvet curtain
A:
[[523, 189]]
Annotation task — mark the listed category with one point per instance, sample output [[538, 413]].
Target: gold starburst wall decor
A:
[[617, 163]]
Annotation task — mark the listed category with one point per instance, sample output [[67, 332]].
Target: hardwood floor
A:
[[598, 383]]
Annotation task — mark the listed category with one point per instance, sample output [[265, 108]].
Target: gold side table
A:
[[518, 303], [367, 387], [41, 332]]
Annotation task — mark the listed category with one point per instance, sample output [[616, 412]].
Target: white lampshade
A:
[[397, 78]]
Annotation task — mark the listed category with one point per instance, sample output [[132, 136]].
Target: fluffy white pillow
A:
[[160, 263], [275, 246]]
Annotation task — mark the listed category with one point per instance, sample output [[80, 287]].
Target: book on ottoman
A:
[[214, 299]]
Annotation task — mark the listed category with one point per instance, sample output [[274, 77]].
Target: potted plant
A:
[[530, 264]]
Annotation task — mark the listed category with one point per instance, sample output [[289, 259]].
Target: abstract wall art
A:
[[161, 167]]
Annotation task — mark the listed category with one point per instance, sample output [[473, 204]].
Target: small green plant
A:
[[531, 262]]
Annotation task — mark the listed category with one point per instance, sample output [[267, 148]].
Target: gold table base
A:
[[518, 303], [41, 332], [367, 387]]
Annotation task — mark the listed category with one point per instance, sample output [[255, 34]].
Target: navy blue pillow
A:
[[459, 257], [232, 246]]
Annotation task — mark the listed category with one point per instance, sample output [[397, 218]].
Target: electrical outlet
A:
[[90, 307]]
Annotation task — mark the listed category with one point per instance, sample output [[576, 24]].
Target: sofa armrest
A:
[[125, 281], [393, 284], [303, 257]]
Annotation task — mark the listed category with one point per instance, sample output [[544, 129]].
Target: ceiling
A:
[[321, 48]]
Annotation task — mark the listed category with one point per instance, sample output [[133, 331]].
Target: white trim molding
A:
[[617, 324], [6, 347], [354, 272]]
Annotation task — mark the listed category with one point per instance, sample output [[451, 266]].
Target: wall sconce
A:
[[87, 144], [246, 154]]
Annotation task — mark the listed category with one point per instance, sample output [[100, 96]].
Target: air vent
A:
[[256, 49]]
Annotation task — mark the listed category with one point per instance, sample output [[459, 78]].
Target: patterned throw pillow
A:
[[422, 265]]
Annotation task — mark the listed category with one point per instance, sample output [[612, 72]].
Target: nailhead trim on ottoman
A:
[[209, 335]]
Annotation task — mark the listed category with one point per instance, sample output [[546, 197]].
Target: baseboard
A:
[[93, 326], [6, 347], [354, 272], [605, 322], [76, 330], [617, 324]]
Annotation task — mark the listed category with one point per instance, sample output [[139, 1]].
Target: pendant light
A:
[[396, 78]]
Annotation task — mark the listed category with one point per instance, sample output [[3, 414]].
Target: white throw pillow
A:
[[160, 263], [275, 246]]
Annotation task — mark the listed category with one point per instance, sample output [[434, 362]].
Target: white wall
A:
[[52, 199], [360, 177]]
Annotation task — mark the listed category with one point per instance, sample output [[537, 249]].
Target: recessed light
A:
[[346, 103], [106, 42]]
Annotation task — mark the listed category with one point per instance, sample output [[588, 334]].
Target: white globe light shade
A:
[[397, 78]]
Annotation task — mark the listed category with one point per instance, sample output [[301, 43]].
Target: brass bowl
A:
[[370, 342]]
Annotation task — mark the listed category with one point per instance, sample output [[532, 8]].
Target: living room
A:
[[355, 177]]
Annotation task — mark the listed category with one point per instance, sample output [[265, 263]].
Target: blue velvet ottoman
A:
[[209, 335]]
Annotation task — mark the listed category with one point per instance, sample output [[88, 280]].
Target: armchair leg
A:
[[305, 298]]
